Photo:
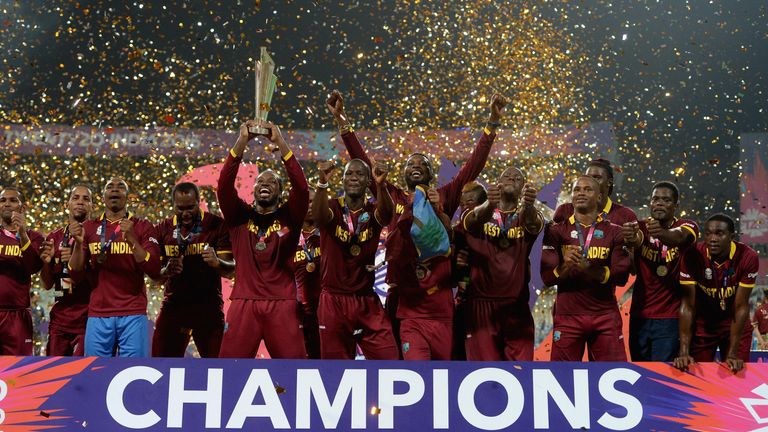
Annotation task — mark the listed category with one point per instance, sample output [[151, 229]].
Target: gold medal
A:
[[662, 270], [722, 303], [354, 250], [504, 243], [310, 267], [260, 246]]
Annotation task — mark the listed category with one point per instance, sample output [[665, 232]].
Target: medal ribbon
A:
[[304, 245], [10, 234], [502, 222], [350, 224], [726, 274], [585, 244], [182, 241], [105, 245]]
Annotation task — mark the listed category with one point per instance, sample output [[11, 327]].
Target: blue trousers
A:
[[654, 339], [124, 336]]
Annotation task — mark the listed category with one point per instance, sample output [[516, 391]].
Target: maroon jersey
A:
[[576, 293], [715, 283], [266, 274], [70, 312], [343, 272], [119, 281], [17, 265], [498, 257], [657, 289], [308, 251], [198, 282], [430, 297], [614, 213], [760, 318]]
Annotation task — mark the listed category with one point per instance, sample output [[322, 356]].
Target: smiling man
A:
[[717, 277], [350, 228], [500, 234], [119, 248], [264, 238], [584, 257], [19, 260], [602, 171], [196, 254], [69, 314], [426, 305], [658, 242]]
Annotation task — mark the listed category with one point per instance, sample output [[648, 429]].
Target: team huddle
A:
[[304, 267]]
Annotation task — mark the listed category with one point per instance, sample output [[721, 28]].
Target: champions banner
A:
[[98, 394]]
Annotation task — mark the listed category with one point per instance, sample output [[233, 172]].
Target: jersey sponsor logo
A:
[[399, 208], [599, 234], [574, 234], [685, 275], [154, 240], [10, 250]]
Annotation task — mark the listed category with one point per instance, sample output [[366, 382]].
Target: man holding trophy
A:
[[264, 238]]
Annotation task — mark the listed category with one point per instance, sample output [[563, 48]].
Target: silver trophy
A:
[[266, 83]]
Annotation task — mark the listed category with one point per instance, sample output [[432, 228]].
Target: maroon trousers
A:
[[426, 339], [601, 334], [16, 332], [708, 338], [277, 322], [346, 320], [177, 324], [65, 343], [498, 330]]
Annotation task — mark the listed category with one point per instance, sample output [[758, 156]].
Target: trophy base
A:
[[258, 130]]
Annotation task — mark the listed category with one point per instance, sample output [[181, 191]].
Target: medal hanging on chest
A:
[[354, 232], [261, 243], [584, 243], [304, 243], [64, 281], [184, 241], [105, 244], [503, 227], [727, 273], [661, 269]]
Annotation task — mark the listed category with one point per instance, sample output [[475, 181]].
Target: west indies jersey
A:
[[70, 312], [264, 244], [17, 265], [307, 257], [576, 293], [498, 257], [656, 293], [198, 282], [716, 283], [119, 287], [345, 272]]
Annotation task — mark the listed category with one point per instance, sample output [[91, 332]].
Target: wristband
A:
[[323, 185], [491, 124], [346, 128]]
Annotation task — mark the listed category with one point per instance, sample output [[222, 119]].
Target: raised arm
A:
[[321, 210], [234, 209], [47, 275], [335, 104], [385, 207], [298, 197], [451, 192]]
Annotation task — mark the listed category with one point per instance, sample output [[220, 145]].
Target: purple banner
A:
[[177, 394], [454, 144]]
